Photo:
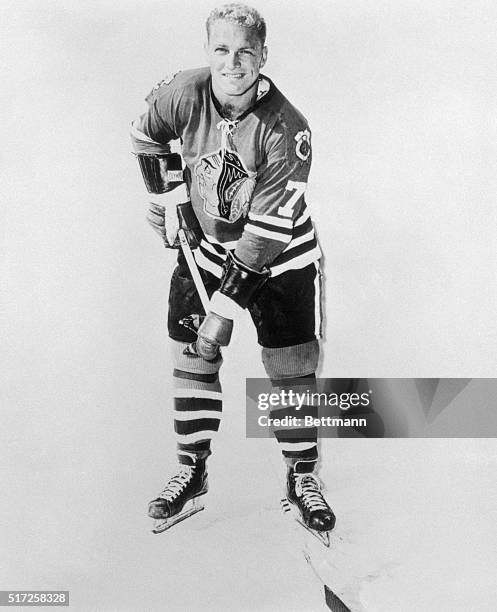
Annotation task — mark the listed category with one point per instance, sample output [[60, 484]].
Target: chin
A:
[[236, 88], [233, 91]]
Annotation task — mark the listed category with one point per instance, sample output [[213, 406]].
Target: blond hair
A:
[[242, 15]]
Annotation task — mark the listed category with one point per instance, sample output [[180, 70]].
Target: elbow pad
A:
[[239, 282], [161, 173]]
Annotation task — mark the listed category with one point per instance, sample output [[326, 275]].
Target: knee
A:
[[193, 366], [291, 361]]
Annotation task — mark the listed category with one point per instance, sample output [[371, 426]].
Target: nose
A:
[[232, 60]]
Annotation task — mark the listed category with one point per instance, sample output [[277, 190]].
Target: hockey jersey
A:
[[247, 177]]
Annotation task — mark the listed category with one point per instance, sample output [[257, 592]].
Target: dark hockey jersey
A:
[[247, 177]]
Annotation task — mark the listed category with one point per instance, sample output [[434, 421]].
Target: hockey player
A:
[[247, 153]]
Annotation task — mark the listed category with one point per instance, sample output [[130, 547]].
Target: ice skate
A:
[[304, 493], [180, 498]]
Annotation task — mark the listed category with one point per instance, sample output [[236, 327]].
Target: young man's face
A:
[[235, 56]]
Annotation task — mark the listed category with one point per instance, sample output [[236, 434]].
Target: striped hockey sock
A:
[[296, 441], [197, 402]]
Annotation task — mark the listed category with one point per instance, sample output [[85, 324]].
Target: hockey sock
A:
[[297, 440], [197, 400]]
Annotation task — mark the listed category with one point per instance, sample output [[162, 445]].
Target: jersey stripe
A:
[[297, 263], [269, 233], [214, 252], [302, 216], [291, 259], [271, 220], [290, 253], [228, 246], [271, 227], [204, 254], [299, 252], [302, 228], [296, 241], [207, 264]]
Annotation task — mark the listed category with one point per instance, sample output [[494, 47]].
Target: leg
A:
[[287, 317], [197, 414], [299, 444], [197, 408]]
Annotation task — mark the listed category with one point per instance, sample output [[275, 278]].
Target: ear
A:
[[263, 57], [206, 48]]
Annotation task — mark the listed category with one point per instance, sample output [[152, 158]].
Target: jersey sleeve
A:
[[278, 198], [152, 131]]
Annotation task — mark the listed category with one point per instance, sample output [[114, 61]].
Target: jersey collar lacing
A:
[[228, 126]]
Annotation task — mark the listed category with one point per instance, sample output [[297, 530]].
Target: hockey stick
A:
[[192, 266]]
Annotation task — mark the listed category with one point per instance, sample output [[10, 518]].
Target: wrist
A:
[[177, 195], [224, 306], [240, 282]]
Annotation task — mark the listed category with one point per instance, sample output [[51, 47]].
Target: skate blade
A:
[[162, 525], [322, 536]]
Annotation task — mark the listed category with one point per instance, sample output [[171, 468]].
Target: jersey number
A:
[[298, 187]]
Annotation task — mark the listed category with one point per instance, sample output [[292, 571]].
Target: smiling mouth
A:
[[233, 76]]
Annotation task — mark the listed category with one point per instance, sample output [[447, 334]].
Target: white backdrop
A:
[[401, 98]]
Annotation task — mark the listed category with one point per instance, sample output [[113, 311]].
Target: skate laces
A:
[[308, 488], [178, 482]]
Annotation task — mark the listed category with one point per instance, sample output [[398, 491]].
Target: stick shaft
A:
[[192, 266]]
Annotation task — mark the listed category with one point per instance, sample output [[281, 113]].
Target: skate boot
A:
[[304, 491], [180, 497]]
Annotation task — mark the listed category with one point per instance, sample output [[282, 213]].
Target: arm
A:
[[162, 170], [278, 199]]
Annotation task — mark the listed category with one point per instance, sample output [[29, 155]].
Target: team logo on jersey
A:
[[303, 147], [225, 185]]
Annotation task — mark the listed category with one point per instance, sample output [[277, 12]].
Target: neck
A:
[[234, 106]]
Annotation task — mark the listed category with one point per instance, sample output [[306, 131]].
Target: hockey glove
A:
[[209, 348], [217, 327], [167, 217]]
